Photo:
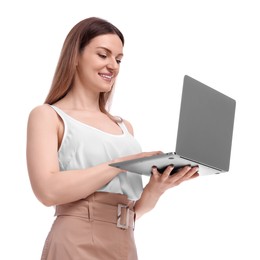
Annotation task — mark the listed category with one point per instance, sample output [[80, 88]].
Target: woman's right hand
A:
[[136, 156]]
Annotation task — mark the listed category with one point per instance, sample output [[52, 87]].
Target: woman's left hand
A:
[[160, 182]]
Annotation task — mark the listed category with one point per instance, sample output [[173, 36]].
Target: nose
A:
[[113, 64]]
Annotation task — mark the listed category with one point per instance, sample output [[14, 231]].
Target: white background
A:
[[216, 42]]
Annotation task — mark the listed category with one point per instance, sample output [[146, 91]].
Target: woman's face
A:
[[99, 62]]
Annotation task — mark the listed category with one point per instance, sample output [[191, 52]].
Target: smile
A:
[[106, 76]]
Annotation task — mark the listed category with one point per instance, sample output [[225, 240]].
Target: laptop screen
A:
[[205, 125]]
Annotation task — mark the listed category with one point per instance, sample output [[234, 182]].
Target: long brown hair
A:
[[79, 36]]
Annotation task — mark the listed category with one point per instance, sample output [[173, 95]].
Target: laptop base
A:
[[144, 165]]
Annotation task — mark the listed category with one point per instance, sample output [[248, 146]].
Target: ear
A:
[[76, 61]]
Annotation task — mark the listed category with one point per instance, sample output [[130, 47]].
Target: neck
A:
[[79, 99]]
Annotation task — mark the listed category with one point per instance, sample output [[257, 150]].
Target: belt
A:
[[122, 215]]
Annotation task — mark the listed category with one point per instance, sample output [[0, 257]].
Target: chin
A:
[[107, 88]]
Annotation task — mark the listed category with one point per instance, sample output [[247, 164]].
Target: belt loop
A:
[[90, 208], [134, 220], [56, 210]]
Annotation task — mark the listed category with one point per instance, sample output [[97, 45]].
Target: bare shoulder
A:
[[129, 126], [41, 110], [42, 113]]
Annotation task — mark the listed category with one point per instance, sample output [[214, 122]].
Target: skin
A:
[[97, 69]]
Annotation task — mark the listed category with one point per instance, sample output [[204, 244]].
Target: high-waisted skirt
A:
[[100, 227]]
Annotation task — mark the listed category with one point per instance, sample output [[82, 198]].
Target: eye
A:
[[103, 56], [118, 61]]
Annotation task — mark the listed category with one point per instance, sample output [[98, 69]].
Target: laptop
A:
[[204, 136]]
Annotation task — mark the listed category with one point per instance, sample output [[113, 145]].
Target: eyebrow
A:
[[109, 51]]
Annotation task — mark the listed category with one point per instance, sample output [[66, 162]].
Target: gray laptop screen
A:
[[205, 125]]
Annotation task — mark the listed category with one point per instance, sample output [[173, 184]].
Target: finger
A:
[[184, 174], [167, 171], [155, 171], [155, 153], [148, 154], [196, 174], [192, 173], [183, 171], [180, 173]]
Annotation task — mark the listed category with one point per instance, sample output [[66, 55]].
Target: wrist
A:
[[153, 191], [113, 168]]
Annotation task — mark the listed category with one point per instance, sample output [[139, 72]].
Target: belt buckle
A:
[[119, 214]]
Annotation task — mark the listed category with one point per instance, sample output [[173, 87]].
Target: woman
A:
[[71, 141]]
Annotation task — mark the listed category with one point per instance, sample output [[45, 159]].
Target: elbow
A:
[[47, 203], [44, 194], [46, 199]]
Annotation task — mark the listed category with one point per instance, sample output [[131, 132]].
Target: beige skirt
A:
[[96, 228]]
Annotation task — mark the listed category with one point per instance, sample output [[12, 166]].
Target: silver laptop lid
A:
[[206, 123]]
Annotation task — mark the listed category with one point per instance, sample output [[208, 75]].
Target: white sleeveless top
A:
[[84, 146]]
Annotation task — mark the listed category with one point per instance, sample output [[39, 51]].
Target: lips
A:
[[106, 76]]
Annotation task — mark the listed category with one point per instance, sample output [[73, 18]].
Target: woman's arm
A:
[[50, 185], [158, 184]]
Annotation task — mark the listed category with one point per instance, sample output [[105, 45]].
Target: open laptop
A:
[[204, 135]]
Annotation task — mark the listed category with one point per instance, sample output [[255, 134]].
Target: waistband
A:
[[102, 206]]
